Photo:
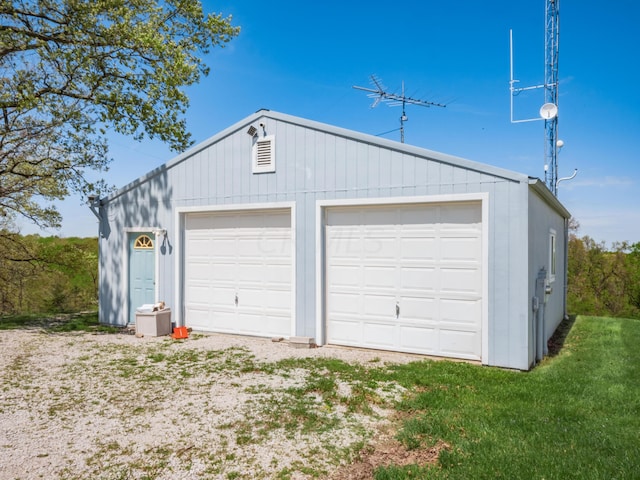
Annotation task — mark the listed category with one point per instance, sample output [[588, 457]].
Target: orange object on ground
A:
[[180, 333]]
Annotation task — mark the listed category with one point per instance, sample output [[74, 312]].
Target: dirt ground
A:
[[82, 405]]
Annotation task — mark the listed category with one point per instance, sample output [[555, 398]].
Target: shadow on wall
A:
[[142, 204]]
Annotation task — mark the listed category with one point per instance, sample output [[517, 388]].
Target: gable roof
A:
[[243, 124]]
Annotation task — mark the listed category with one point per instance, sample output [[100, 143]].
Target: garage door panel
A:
[[344, 303], [381, 248], [251, 298], [378, 305], [220, 273], [260, 299], [278, 275], [426, 259], [465, 249], [267, 245], [418, 339], [345, 275], [238, 265], [199, 246], [261, 247], [418, 248], [198, 271], [200, 294], [424, 279], [346, 332], [275, 299], [379, 335], [458, 343], [461, 280], [378, 276], [275, 325], [247, 272], [199, 317], [346, 248], [224, 321], [255, 322], [220, 296], [460, 312], [221, 248], [418, 309]]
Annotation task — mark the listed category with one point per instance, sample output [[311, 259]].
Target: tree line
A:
[[603, 281], [47, 274]]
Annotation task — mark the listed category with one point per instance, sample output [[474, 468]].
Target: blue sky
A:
[[302, 58]]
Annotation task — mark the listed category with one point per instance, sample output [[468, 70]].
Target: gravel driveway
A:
[[113, 406]]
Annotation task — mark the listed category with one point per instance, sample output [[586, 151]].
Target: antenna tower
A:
[[551, 92], [549, 110], [380, 94]]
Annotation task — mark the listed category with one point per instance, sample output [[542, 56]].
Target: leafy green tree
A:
[[18, 267], [72, 69], [47, 274], [601, 280], [633, 279]]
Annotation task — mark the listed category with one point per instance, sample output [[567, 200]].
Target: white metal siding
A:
[[238, 272], [315, 164], [406, 277]]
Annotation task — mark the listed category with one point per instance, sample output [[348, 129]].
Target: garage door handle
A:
[[397, 310], [236, 299]]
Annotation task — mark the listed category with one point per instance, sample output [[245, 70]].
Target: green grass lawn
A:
[[69, 322], [577, 415]]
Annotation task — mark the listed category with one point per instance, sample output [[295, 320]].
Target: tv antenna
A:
[[549, 110], [380, 94]]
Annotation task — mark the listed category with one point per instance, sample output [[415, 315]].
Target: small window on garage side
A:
[[552, 255], [143, 242], [264, 158]]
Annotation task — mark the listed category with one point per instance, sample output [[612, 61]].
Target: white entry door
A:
[[238, 270], [405, 278]]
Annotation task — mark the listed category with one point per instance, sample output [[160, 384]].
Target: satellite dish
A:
[[549, 111]]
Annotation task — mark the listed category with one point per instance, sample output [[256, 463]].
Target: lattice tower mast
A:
[[549, 110], [551, 50]]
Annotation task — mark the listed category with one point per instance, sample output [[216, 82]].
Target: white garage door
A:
[[406, 278], [238, 272]]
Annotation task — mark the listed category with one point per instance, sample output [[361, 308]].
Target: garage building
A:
[[282, 226]]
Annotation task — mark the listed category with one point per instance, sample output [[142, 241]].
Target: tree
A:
[[603, 281], [17, 268], [47, 274], [633, 281], [72, 69]]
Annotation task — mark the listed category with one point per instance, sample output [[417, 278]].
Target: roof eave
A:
[[541, 189]]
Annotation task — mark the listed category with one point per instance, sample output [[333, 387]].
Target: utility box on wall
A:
[[154, 324]]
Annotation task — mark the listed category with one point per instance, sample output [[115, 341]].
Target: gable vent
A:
[[264, 155]]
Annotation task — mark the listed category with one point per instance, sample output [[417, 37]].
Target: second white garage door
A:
[[406, 278], [237, 276]]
